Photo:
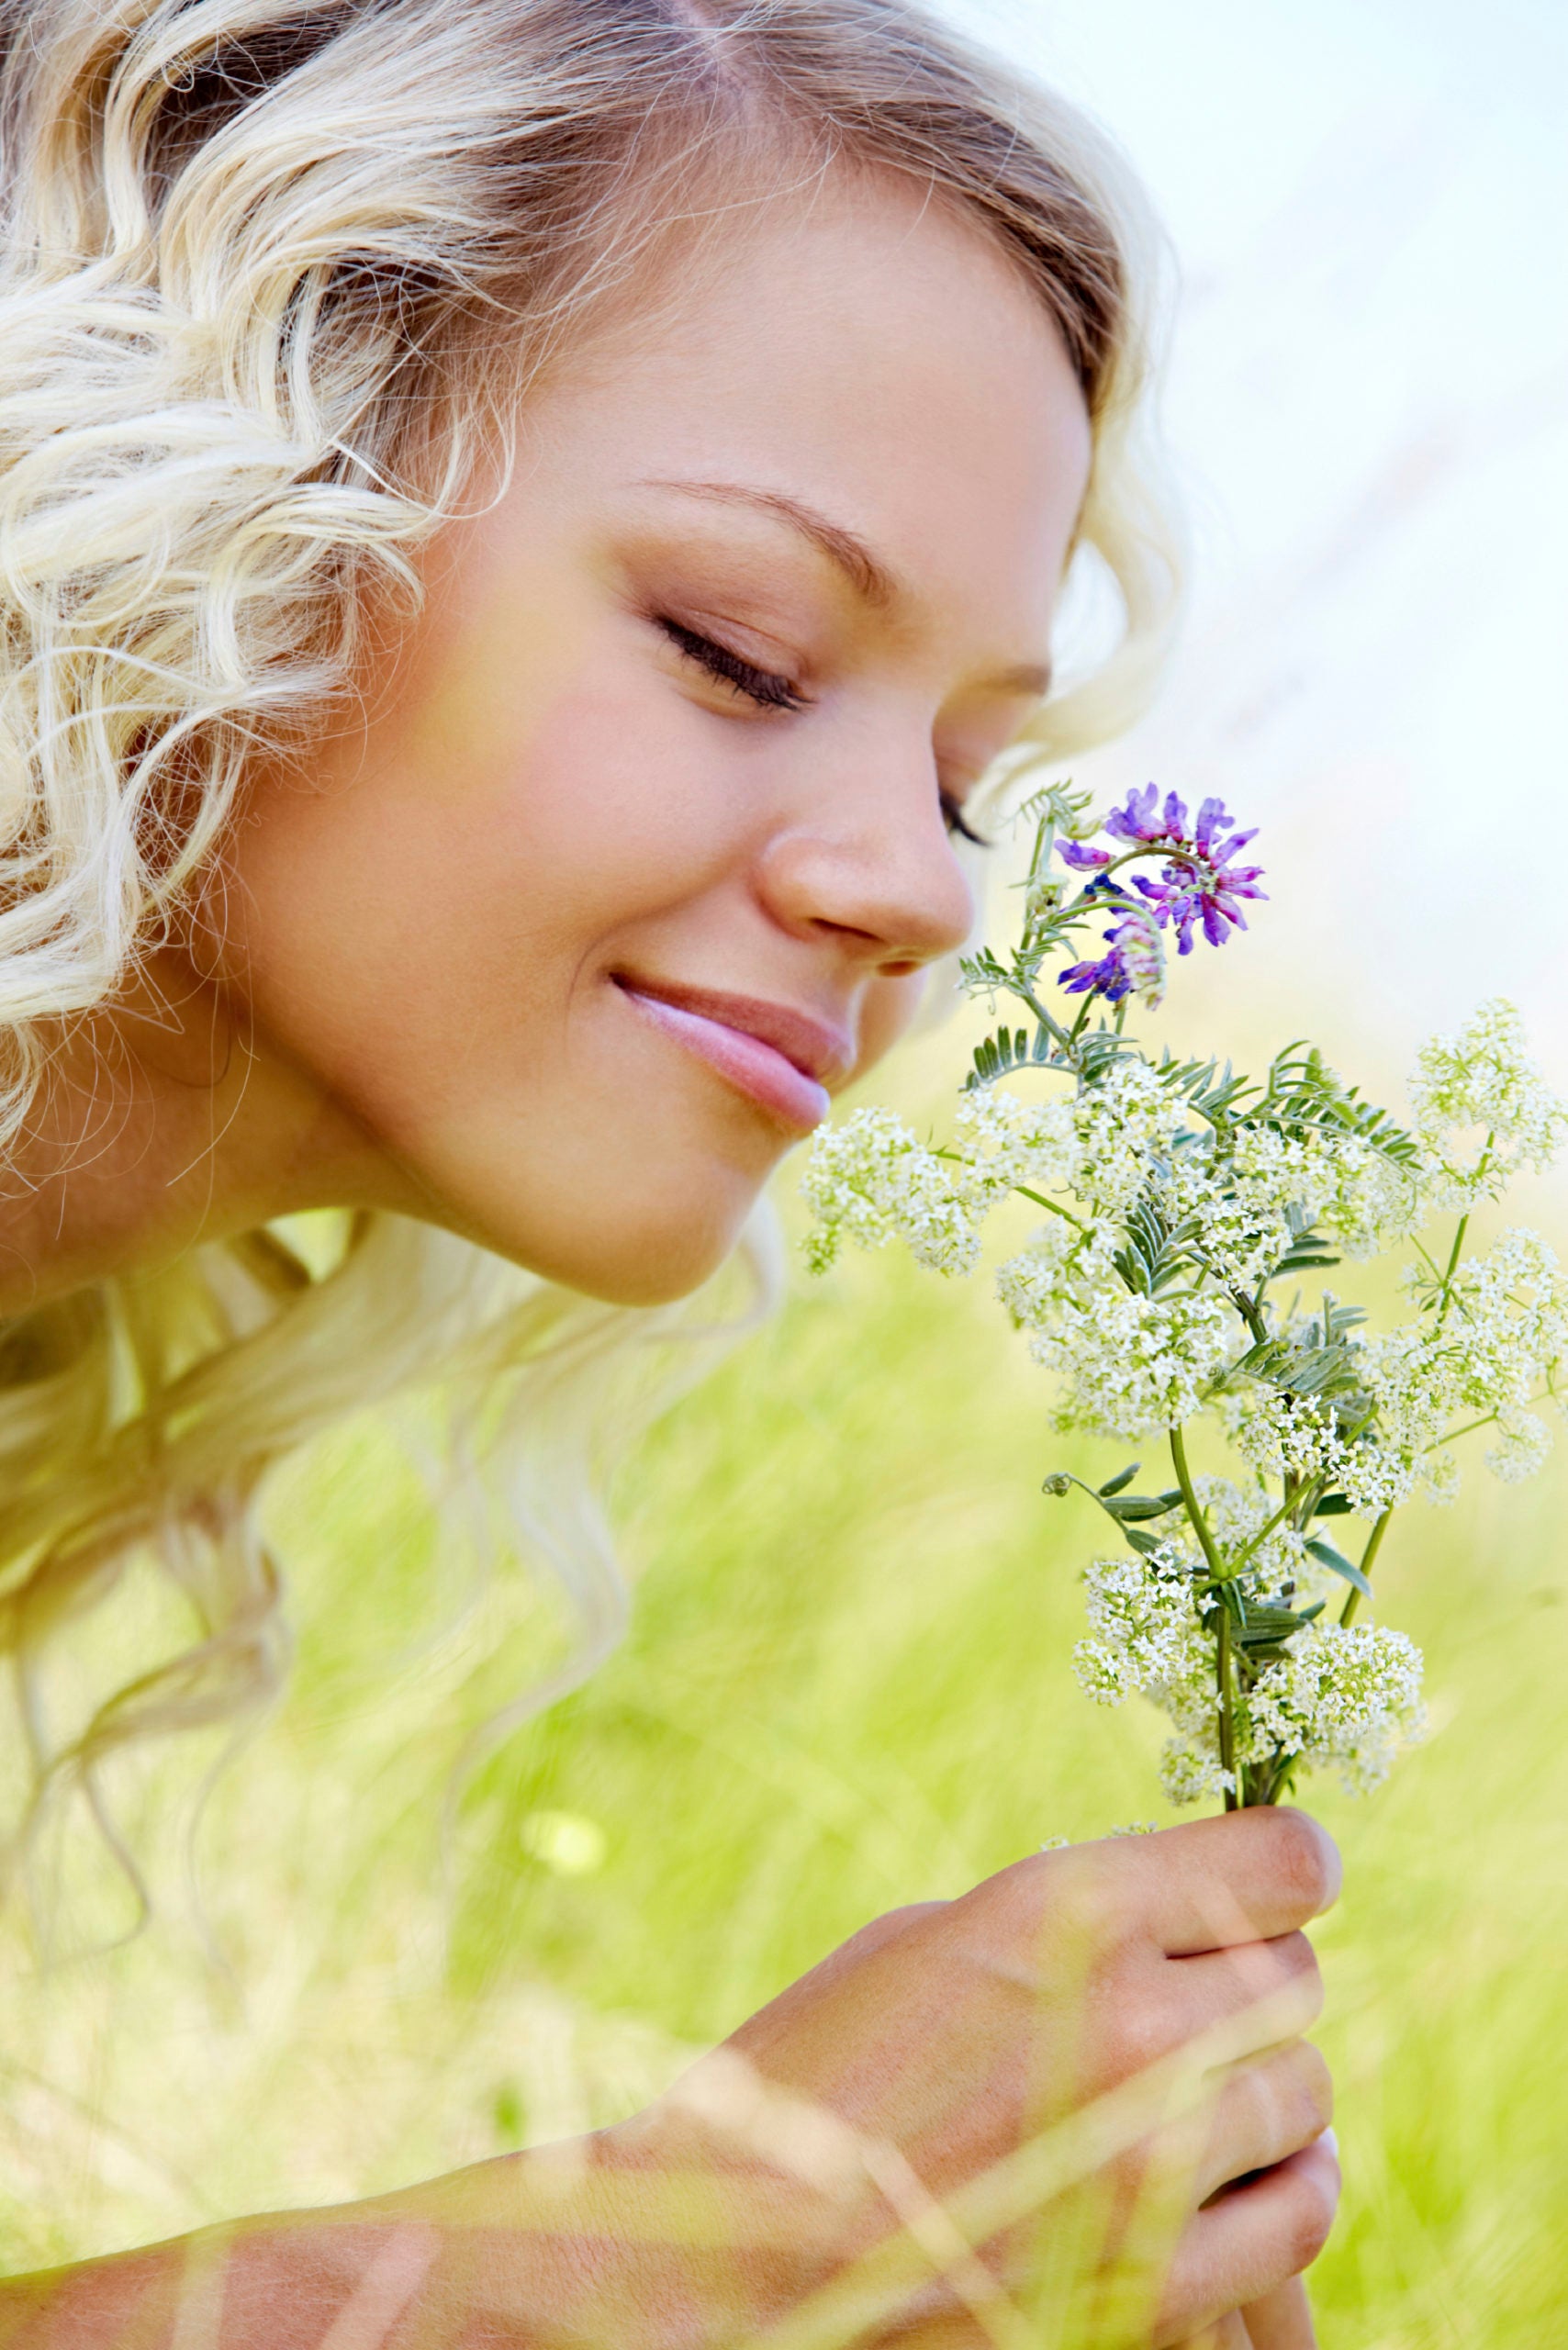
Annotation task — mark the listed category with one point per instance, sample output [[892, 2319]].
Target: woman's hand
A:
[[1161, 1983], [1081, 2089]]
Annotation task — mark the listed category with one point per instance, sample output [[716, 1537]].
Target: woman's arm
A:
[[1083, 2078]]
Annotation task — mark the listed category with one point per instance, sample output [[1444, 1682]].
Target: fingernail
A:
[[1330, 2138]]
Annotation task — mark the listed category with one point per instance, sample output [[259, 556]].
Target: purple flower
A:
[[1143, 820], [1201, 886], [1208, 891], [1135, 966], [1082, 857], [1108, 978]]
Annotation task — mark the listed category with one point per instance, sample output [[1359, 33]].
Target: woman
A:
[[526, 527]]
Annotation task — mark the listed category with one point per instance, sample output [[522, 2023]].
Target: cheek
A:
[[424, 925]]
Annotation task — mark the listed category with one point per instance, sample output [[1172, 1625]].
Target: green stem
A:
[[1374, 1544], [1454, 1254], [1200, 1524], [1053, 1029], [1252, 1314], [1262, 1536], [1453, 1436], [1040, 1201], [1226, 1708], [1205, 1533]]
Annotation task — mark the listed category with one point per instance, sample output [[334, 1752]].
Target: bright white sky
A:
[[1370, 409]]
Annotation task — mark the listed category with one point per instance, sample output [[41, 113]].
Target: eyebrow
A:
[[870, 579]]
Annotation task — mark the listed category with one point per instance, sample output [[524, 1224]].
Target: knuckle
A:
[[885, 1927], [1297, 1976], [1008, 1903], [1319, 2079], [1296, 1954], [1089, 1903], [909, 1913], [1147, 2029]]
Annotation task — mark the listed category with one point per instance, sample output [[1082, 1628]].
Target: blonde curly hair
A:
[[272, 276]]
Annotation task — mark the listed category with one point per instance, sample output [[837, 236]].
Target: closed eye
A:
[[769, 691], [765, 687], [953, 817]]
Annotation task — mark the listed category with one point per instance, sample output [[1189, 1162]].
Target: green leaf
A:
[[1303, 1096], [1334, 1505], [1268, 1627], [1145, 1543], [1336, 1562], [1145, 1504], [1114, 1484]]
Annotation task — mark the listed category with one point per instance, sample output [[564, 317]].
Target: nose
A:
[[872, 868]]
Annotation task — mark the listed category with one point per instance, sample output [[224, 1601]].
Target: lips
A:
[[780, 1059]]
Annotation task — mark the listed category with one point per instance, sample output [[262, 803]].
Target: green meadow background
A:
[[847, 1686]]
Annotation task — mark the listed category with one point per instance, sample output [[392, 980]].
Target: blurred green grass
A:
[[848, 1686]]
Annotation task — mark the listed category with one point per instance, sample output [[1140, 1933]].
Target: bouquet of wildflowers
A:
[[1191, 1214]]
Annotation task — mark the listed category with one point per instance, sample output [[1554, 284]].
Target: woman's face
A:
[[640, 847]]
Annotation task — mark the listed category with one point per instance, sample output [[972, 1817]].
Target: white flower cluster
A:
[[1147, 1297], [1315, 1439], [1241, 1207], [870, 1180], [1482, 1358], [1125, 1365], [1346, 1697], [1483, 1109], [1098, 1145]]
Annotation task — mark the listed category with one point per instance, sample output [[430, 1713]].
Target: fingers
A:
[[1265, 2111], [1240, 2004], [1210, 1885], [1283, 2321], [1245, 2246], [1240, 1876], [1269, 1991]]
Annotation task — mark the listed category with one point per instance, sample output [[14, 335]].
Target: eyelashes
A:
[[953, 817], [769, 691], [763, 687]]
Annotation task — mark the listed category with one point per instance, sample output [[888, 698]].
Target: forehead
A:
[[866, 350]]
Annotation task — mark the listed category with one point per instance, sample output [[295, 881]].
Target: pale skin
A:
[[553, 942]]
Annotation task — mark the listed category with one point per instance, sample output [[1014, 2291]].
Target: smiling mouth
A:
[[777, 1058]]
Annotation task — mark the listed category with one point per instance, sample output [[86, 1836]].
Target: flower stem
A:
[[1490, 1420], [1200, 1524], [1226, 1708], [1375, 1543], [1057, 1035], [1248, 1548], [1038, 1198], [1454, 1255], [1205, 1533]]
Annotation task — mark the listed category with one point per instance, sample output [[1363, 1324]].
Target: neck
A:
[[161, 1125]]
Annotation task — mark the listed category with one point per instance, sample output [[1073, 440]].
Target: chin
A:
[[631, 1254]]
